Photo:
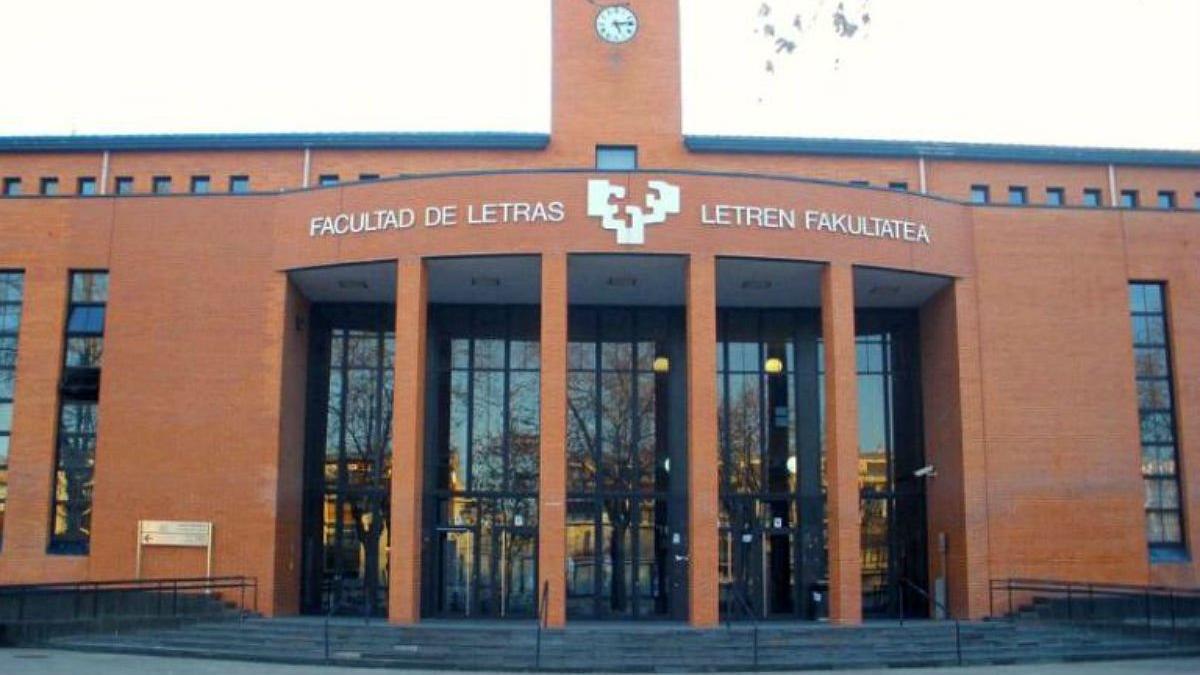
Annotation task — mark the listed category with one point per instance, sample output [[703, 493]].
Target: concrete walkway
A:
[[51, 662]]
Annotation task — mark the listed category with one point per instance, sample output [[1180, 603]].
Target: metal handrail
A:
[[1082, 595], [743, 605], [937, 604], [543, 619], [78, 590]]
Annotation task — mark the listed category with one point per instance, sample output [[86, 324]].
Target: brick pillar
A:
[[953, 409], [408, 442], [841, 444], [552, 488], [703, 505]]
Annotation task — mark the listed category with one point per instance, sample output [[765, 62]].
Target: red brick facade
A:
[[1027, 362]]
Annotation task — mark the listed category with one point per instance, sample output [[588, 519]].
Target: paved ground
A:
[[50, 662]]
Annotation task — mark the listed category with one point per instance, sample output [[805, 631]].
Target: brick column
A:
[[841, 444], [408, 442], [552, 487], [703, 505]]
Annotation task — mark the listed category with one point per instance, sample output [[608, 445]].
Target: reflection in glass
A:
[[486, 461]]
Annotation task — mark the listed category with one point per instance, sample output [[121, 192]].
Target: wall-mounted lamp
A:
[[791, 465], [773, 366], [662, 365]]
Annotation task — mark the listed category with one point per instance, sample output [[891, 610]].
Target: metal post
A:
[[1011, 616], [900, 586], [756, 645], [1149, 623], [242, 603], [1069, 617]]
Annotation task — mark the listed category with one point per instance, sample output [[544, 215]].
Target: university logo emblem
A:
[[662, 200]]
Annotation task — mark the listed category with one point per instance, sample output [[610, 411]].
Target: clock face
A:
[[616, 24]]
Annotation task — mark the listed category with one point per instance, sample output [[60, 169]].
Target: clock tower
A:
[[616, 80]]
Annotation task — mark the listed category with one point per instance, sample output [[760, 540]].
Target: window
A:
[[12, 187], [616, 157], [86, 185], [123, 185], [898, 185], [1166, 199], [368, 176], [1055, 196], [1156, 412], [1091, 196], [49, 186], [979, 194], [79, 392], [1018, 194], [11, 291], [161, 185], [328, 179], [1196, 201], [201, 185], [239, 184], [1129, 199]]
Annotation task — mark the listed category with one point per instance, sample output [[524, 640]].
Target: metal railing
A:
[[735, 598], [543, 619], [1153, 609], [906, 583], [97, 601]]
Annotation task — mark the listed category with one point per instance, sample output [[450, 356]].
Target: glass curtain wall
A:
[[349, 470], [772, 538], [892, 503], [626, 508], [482, 513]]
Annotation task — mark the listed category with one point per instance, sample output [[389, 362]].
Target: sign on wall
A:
[[181, 533]]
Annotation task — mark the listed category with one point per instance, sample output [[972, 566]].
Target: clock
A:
[[616, 24]]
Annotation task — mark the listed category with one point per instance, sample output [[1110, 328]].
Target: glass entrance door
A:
[[483, 462]]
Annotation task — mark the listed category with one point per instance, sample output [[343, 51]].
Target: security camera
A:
[[926, 471]]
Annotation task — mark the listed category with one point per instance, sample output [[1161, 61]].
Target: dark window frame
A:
[[1128, 199], [1056, 196], [1166, 199], [85, 186], [123, 185], [160, 185], [981, 194], [79, 390], [1164, 550], [11, 187], [1018, 195], [48, 186], [328, 179], [1093, 197], [200, 185], [239, 184]]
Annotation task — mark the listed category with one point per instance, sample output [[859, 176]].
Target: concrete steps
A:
[[627, 647]]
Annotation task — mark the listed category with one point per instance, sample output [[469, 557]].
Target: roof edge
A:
[[772, 145], [281, 141]]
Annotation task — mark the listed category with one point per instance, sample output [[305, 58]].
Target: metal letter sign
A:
[[187, 534]]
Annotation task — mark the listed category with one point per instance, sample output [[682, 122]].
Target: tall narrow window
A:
[[78, 409], [1156, 411], [11, 291]]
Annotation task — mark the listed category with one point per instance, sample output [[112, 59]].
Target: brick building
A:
[[429, 375]]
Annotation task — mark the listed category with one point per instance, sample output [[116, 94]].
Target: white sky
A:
[[1069, 72]]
